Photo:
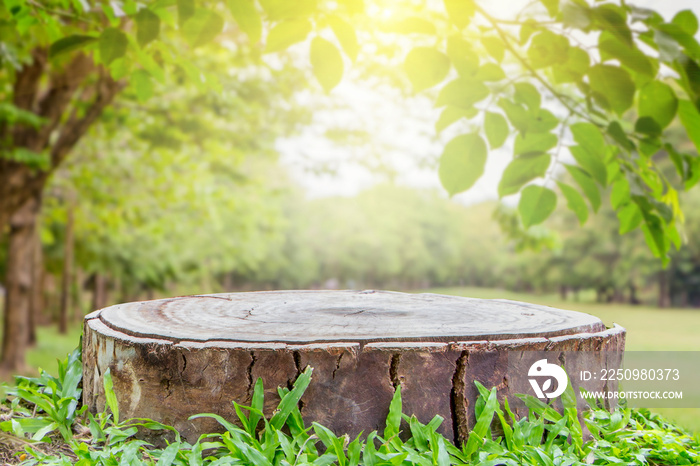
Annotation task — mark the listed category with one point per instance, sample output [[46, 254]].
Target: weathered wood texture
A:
[[176, 357]]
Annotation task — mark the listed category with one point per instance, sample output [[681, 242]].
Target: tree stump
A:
[[172, 358]]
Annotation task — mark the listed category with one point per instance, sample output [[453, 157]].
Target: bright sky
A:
[[401, 135]]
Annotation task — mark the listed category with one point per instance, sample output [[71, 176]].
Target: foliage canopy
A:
[[583, 88]]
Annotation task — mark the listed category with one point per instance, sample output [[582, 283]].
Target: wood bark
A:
[[18, 286], [52, 93], [173, 358], [36, 303]]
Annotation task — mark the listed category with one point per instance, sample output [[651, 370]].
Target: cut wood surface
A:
[[329, 316], [172, 358]]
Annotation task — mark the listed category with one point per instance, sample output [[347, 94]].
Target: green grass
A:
[[648, 329], [44, 421], [51, 346]]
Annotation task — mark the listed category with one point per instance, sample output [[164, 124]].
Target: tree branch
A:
[[76, 127], [560, 97]]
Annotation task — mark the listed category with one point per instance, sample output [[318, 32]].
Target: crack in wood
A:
[[249, 373], [394, 370], [337, 365], [296, 355], [166, 386], [458, 400], [297, 363]]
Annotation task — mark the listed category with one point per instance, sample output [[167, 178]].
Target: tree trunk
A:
[[19, 286], [99, 294], [563, 292], [37, 293], [664, 298], [172, 358], [633, 294], [67, 274]]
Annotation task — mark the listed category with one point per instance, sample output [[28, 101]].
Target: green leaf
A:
[[426, 67], [277, 10], [591, 150], [247, 17], [393, 419], [689, 43], [534, 142], [618, 134], [258, 404], [658, 101], [587, 184], [462, 56], [654, 235], [669, 50], [483, 424], [536, 204], [287, 33], [522, 170], [575, 202], [203, 27], [589, 137], [147, 26], [548, 49], [345, 34], [690, 118], [528, 28], [612, 86], [526, 93], [496, 129], [687, 21], [369, 453], [112, 45], [169, 454], [462, 163], [69, 44], [611, 46], [326, 62], [185, 10], [552, 7], [517, 115], [494, 46], [413, 25], [620, 193], [142, 85], [451, 115], [460, 12], [574, 68], [647, 126], [540, 408], [463, 93], [614, 19], [110, 397], [542, 121], [291, 399], [35, 160], [489, 72]]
